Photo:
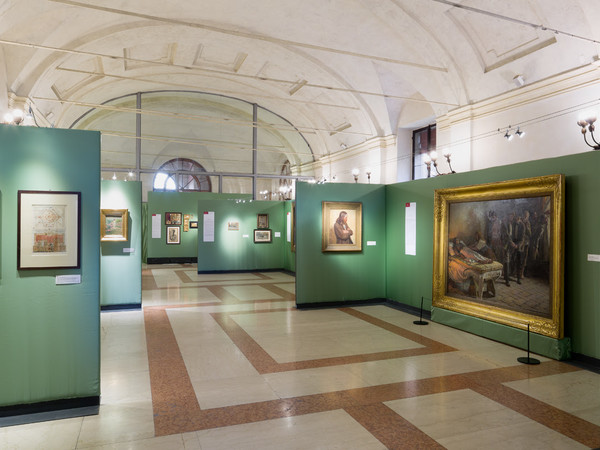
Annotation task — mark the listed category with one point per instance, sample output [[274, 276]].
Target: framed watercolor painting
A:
[[172, 218], [498, 252], [262, 221], [262, 236], [173, 235], [48, 230]]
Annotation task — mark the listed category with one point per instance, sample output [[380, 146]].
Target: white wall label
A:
[[156, 226], [595, 258], [410, 229], [245, 235], [278, 234], [129, 250], [68, 279], [371, 243], [208, 226]]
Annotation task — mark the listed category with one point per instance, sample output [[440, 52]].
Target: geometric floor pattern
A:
[[226, 361]]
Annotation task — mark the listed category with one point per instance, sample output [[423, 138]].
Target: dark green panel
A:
[[409, 277], [236, 250], [50, 333], [339, 276]]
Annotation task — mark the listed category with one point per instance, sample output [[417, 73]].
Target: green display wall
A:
[[340, 276], [185, 203], [49, 334], [236, 250], [121, 261], [410, 277]]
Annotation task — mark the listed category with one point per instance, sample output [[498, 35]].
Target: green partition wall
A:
[[121, 261], [186, 203], [236, 250], [340, 276], [49, 333], [410, 277]]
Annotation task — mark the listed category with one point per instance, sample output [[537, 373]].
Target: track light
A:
[[508, 136], [519, 133]]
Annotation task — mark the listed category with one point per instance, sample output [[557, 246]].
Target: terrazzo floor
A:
[[226, 361]]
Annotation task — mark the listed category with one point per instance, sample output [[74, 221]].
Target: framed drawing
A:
[[113, 225], [498, 252], [173, 236], [262, 236], [48, 225], [233, 226], [262, 221], [193, 224], [172, 218], [186, 222], [342, 227]]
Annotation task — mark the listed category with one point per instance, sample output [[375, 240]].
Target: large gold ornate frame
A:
[[544, 186]]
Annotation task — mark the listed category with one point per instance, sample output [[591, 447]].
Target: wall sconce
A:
[[432, 157], [589, 123], [369, 175], [355, 173]]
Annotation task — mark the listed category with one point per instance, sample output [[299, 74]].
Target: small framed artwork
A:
[[262, 236], [113, 225], [186, 222], [262, 221], [172, 218], [233, 226], [342, 227], [48, 230], [193, 224], [173, 236]]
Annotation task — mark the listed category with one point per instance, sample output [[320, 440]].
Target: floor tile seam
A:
[[396, 329], [556, 419], [279, 291]]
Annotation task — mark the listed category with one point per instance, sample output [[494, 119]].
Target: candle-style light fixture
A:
[[432, 157], [587, 124], [355, 173]]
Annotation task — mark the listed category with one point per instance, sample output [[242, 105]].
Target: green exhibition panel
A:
[[339, 276], [233, 246], [409, 277], [121, 260], [50, 332], [160, 204]]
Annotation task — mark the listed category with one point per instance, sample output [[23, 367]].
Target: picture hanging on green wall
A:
[[342, 226], [172, 218], [498, 252], [48, 224], [262, 236], [173, 236], [113, 225]]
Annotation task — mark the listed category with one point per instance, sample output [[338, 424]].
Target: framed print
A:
[[262, 221], [48, 230], [173, 236], [233, 226], [193, 224], [113, 225], [186, 222], [342, 227], [172, 218], [262, 236], [498, 252]]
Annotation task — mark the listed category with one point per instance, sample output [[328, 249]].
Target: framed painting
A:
[[193, 224], [173, 236], [113, 225], [342, 227], [498, 252], [186, 222], [233, 226], [262, 236], [172, 218], [262, 221], [48, 230]]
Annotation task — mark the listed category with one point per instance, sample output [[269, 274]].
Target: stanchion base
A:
[[528, 360], [420, 322]]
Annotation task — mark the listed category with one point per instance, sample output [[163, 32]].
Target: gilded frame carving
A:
[[460, 211]]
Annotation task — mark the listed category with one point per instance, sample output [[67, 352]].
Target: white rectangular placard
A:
[[68, 279], [156, 226], [289, 227], [208, 226], [410, 229]]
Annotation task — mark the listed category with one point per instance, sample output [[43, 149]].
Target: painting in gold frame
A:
[[498, 252], [113, 225], [342, 227]]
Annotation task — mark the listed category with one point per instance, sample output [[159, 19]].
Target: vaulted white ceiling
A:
[[341, 71]]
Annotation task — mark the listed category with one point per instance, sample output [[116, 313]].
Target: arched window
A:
[[182, 174]]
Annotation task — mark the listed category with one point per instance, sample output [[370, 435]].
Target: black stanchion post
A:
[[528, 360], [421, 321]]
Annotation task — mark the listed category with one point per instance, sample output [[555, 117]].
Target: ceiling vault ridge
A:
[[248, 35]]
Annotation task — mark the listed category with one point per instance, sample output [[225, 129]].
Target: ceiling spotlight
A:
[[508, 136], [519, 133]]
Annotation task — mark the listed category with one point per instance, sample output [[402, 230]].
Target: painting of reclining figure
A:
[[498, 252]]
